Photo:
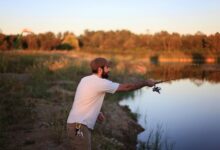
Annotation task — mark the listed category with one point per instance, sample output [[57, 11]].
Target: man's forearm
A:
[[135, 86]]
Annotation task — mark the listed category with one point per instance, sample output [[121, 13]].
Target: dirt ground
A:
[[47, 130]]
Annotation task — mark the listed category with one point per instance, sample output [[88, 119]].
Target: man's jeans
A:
[[79, 142]]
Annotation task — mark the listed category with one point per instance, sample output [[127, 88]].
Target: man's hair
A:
[[98, 63]]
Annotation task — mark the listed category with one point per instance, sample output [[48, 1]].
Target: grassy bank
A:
[[37, 91]]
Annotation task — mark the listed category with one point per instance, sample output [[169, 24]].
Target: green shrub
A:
[[64, 46]]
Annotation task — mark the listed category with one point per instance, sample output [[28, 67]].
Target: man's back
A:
[[89, 98]]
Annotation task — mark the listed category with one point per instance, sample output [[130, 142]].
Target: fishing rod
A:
[[156, 88]]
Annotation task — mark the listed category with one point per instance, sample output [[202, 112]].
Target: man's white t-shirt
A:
[[89, 98]]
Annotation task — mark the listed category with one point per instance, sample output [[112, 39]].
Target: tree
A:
[[175, 41], [48, 41], [32, 42], [71, 40], [3, 43], [214, 42]]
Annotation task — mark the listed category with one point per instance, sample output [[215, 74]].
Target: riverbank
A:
[[37, 91]]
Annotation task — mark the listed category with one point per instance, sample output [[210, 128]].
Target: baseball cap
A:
[[99, 62]]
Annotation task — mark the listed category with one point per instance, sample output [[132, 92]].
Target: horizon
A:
[[139, 17]]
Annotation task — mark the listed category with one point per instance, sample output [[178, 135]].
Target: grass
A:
[[20, 99], [58, 126], [156, 141], [15, 111], [19, 63]]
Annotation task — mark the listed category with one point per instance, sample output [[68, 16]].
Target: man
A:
[[88, 101]]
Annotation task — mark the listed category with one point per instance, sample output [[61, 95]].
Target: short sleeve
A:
[[109, 86]]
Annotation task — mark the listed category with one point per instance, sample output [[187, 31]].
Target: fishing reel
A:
[[156, 89]]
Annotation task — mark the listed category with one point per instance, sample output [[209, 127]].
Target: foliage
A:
[[120, 40], [71, 40], [64, 46]]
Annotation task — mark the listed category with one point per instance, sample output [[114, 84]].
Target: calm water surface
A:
[[187, 112]]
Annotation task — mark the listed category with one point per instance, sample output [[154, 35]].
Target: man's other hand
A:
[[101, 117]]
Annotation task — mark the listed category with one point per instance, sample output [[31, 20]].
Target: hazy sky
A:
[[138, 16]]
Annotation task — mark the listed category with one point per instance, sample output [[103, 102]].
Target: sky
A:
[[138, 16]]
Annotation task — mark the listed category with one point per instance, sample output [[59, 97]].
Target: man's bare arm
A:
[[134, 86]]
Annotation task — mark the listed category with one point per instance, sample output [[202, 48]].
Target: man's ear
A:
[[100, 70]]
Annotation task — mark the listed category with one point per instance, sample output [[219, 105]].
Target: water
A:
[[187, 112]]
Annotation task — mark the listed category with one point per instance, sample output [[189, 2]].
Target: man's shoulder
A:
[[95, 78], [89, 78]]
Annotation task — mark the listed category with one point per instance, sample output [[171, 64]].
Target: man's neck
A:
[[98, 75]]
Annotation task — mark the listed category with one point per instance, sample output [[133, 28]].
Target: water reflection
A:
[[188, 111], [167, 71]]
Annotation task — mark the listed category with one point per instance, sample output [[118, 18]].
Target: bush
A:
[[198, 58], [64, 46], [218, 60], [154, 59]]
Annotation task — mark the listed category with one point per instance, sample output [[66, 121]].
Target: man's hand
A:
[[134, 86], [101, 117], [152, 83]]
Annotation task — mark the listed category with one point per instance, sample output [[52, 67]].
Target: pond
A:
[[184, 116]]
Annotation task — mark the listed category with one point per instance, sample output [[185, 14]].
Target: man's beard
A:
[[105, 75]]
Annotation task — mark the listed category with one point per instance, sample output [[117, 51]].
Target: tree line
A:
[[108, 40]]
